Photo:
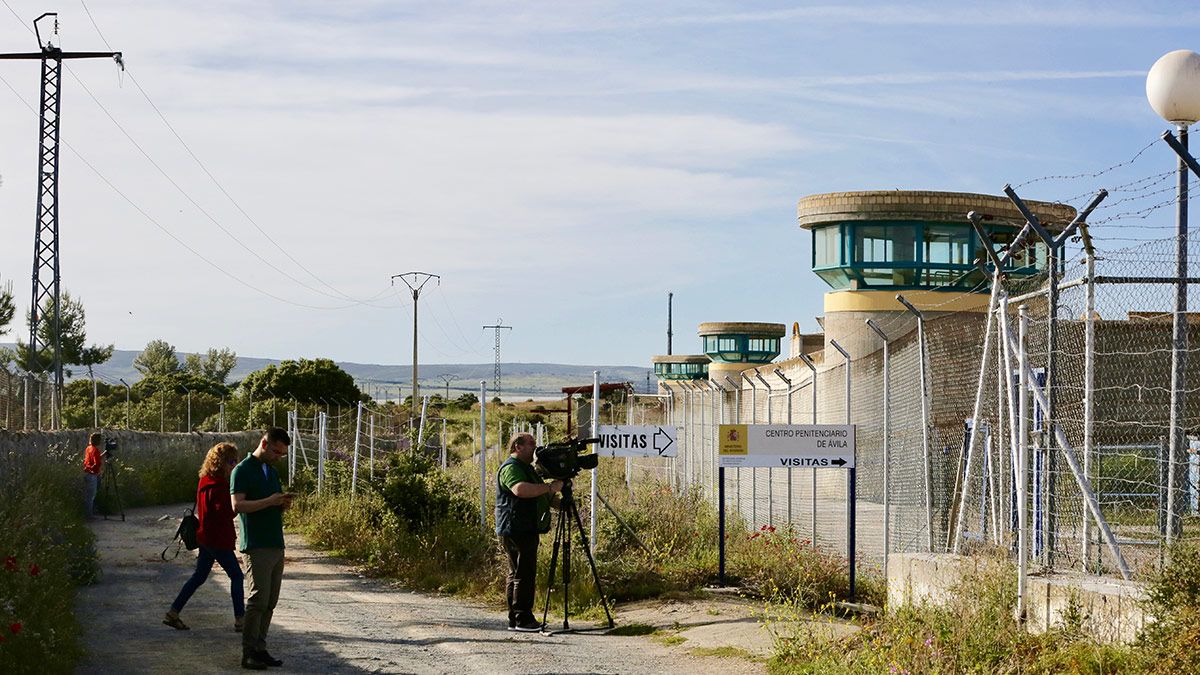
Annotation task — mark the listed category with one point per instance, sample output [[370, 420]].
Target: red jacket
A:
[[215, 511], [92, 460]]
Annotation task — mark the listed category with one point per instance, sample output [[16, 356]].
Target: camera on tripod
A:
[[563, 461], [110, 447]]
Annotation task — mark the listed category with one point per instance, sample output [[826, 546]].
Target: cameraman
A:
[[523, 504], [93, 465]]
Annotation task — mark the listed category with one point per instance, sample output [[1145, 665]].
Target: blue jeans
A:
[[90, 483], [204, 563]]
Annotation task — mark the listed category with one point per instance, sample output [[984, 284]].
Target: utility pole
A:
[[496, 375], [415, 282], [47, 280], [670, 298], [447, 379]]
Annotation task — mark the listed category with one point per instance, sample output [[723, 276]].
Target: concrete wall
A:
[[131, 443], [1112, 608]]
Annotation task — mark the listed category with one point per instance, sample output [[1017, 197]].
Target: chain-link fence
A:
[[1100, 355]]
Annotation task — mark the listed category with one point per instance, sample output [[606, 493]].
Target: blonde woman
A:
[[215, 535]]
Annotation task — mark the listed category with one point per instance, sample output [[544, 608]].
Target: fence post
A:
[[924, 417], [770, 470], [321, 450], [787, 385], [421, 429], [629, 460], [887, 430], [595, 430], [956, 523], [737, 419], [1023, 463], [483, 453], [753, 470], [670, 415], [812, 368], [851, 479], [1089, 396], [357, 436]]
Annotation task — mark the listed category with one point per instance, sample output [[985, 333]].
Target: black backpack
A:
[[185, 534]]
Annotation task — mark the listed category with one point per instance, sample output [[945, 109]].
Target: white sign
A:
[[789, 446], [636, 441]]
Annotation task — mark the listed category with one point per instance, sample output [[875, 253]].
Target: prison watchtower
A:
[[735, 346], [869, 246], [680, 366]]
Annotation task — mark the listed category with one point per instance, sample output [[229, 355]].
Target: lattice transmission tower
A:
[[47, 278], [496, 375]]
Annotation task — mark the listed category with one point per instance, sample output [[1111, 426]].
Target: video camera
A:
[[562, 461], [110, 447]]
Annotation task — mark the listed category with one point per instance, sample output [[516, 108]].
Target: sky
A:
[[263, 168]]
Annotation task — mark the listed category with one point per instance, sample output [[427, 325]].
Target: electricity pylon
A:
[[496, 375], [47, 280]]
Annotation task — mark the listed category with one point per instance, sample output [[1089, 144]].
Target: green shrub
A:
[[412, 523], [1171, 642], [420, 495]]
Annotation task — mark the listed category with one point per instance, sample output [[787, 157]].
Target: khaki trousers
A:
[[264, 574]]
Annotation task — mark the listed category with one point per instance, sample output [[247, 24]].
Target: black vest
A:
[[516, 516]]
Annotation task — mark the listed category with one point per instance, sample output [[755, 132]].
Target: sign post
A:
[[815, 446]]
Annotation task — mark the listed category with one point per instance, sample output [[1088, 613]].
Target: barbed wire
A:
[[1090, 174]]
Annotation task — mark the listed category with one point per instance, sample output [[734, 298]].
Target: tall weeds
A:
[[46, 551]]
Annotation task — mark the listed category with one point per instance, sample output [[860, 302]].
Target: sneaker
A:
[[512, 622], [266, 658], [172, 619], [529, 625], [251, 662], [239, 623]]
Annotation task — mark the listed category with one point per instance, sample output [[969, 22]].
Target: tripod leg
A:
[[117, 493], [558, 539], [587, 549], [568, 506], [105, 483]]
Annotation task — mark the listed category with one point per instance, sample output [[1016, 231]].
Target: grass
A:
[[725, 652], [633, 629], [976, 631]]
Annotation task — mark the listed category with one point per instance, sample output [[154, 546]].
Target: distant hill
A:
[[518, 380]]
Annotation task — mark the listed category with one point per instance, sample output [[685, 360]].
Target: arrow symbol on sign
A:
[[839, 461], [659, 436]]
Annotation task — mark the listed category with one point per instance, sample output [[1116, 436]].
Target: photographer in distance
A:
[[523, 504]]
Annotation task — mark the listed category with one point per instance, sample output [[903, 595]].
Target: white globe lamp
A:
[[1173, 87]]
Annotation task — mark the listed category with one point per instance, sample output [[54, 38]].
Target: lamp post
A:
[[189, 407], [1173, 89], [122, 381]]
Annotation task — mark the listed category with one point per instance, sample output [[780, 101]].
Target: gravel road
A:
[[329, 619]]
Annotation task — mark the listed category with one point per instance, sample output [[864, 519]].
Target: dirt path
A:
[[329, 619]]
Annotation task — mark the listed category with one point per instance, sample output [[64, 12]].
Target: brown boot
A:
[[172, 619]]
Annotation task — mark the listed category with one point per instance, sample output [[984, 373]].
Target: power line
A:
[[163, 228], [204, 168], [340, 295]]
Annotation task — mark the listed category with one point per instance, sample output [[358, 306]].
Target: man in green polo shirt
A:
[[523, 503], [259, 501]]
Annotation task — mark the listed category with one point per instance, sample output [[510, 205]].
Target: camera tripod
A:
[[111, 489], [568, 512]]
